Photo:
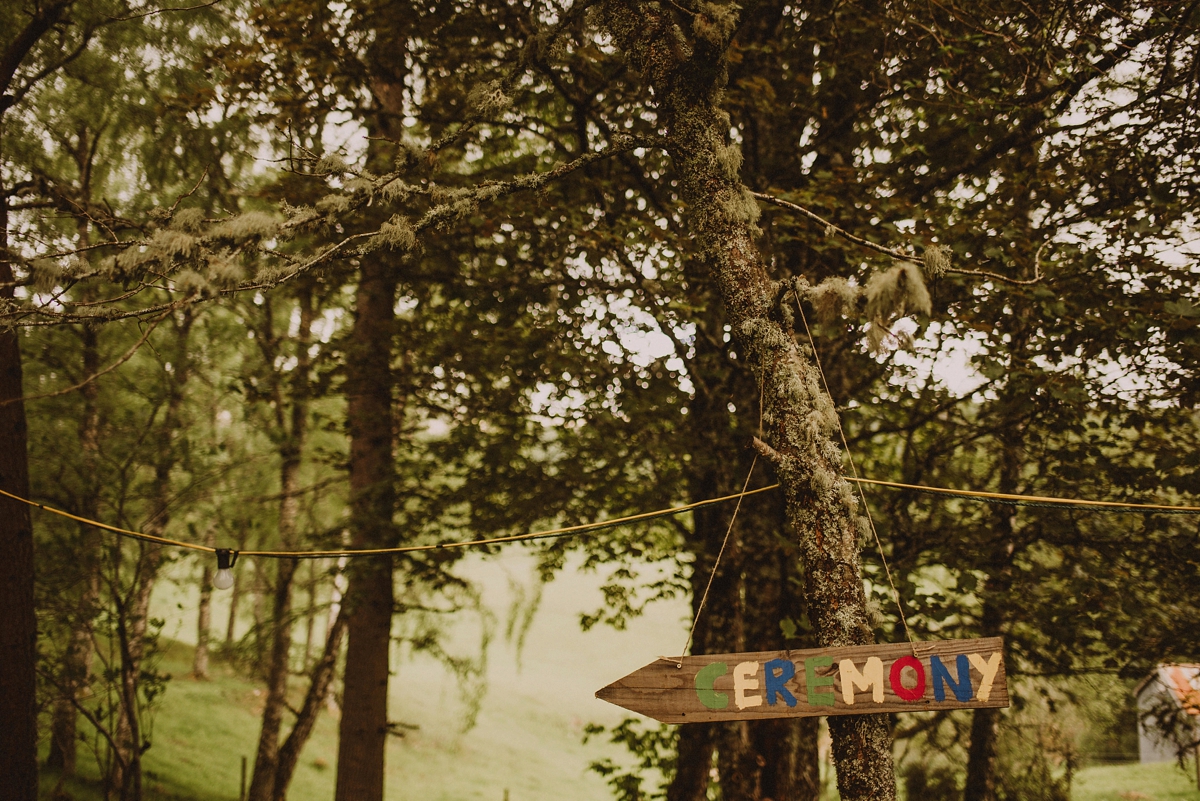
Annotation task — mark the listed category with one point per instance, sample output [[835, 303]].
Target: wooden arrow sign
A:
[[858, 680]]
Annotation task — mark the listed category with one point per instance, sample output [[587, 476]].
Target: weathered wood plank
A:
[[857, 680]]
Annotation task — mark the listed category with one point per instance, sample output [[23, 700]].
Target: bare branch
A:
[[895, 253], [68, 390], [152, 12]]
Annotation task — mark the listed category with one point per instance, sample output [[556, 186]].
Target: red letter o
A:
[[898, 688]]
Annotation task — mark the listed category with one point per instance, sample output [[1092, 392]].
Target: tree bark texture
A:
[[18, 621], [686, 77], [756, 586], [363, 730], [18, 625], [235, 595], [694, 755]]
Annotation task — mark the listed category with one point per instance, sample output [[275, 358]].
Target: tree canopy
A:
[[308, 275]]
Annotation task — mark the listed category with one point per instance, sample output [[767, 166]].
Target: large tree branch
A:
[[23, 42]]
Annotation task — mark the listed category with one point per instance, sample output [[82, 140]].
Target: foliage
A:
[[1021, 177], [651, 748]]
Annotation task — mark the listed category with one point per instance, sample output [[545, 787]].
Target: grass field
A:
[[527, 744], [1155, 782]]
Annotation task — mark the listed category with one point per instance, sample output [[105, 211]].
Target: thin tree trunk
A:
[[686, 76], [258, 590], [718, 628], [291, 453], [203, 624], [320, 682], [981, 757], [336, 593], [77, 660], [204, 616], [128, 775], [263, 780], [135, 613], [235, 595], [735, 762], [310, 614], [981, 754], [364, 724], [786, 752], [77, 665], [693, 764]]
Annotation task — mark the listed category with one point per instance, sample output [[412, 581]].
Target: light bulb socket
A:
[[226, 558]]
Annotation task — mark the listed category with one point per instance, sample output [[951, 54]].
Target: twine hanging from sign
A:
[[854, 472], [717, 561], [857, 482]]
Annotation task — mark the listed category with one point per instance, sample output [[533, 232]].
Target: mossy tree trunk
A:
[[686, 76], [754, 589]]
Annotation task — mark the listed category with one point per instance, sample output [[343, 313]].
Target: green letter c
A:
[[705, 680]]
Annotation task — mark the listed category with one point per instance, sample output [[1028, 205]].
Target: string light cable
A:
[[226, 556], [1043, 501]]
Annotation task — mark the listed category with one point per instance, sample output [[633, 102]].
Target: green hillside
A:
[[527, 743]]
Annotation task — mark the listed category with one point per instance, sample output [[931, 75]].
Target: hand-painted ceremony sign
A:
[[857, 680]]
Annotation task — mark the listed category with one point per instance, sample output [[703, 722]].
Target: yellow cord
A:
[[122, 531], [1145, 507], [616, 521]]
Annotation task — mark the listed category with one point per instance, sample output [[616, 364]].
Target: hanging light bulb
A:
[[225, 559]]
